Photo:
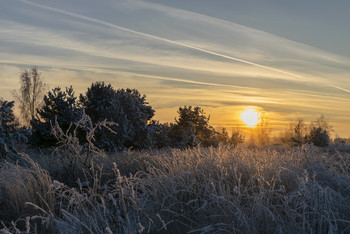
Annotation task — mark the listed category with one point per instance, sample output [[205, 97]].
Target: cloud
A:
[[215, 42]]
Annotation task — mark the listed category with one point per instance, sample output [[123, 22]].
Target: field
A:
[[243, 189]]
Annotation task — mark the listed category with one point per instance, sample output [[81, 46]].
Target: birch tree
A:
[[30, 95]]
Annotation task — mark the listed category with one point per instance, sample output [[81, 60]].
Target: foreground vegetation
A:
[[201, 190]]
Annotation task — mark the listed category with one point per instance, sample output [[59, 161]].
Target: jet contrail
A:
[[337, 87], [158, 38]]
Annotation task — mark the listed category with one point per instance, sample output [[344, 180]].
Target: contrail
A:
[[158, 38], [337, 87]]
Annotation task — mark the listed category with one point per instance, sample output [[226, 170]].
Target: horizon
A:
[[286, 60]]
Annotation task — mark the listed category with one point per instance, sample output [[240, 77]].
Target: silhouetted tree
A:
[[236, 138], [10, 133], [319, 132], [100, 104], [125, 107], [30, 94], [191, 128], [223, 137], [295, 135], [158, 134], [138, 113], [60, 106]]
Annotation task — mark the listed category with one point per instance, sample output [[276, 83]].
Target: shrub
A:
[[73, 155], [20, 185]]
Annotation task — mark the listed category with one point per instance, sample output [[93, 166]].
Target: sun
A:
[[250, 117]]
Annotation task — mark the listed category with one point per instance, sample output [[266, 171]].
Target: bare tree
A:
[[30, 94], [263, 130]]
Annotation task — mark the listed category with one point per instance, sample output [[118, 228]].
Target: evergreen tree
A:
[[60, 106], [191, 128], [158, 134], [127, 108], [10, 133]]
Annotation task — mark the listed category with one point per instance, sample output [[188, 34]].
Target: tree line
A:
[[127, 117]]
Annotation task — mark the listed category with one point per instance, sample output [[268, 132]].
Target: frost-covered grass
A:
[[203, 190]]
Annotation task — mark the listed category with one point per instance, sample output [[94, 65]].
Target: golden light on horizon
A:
[[250, 117]]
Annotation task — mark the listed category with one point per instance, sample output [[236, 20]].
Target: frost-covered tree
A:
[[60, 106], [100, 104], [191, 128], [10, 133], [30, 95], [125, 107], [138, 114]]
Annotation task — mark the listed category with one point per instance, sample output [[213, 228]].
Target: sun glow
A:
[[250, 117]]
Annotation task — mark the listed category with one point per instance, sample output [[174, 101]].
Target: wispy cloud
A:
[[94, 20], [212, 37]]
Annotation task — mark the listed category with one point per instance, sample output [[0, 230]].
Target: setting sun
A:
[[250, 117]]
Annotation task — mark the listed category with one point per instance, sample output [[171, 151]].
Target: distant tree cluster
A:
[[127, 119], [130, 118], [126, 109], [317, 133]]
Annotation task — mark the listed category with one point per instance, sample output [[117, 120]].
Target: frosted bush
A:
[[228, 189]]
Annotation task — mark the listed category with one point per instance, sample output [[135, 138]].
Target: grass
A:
[[271, 189]]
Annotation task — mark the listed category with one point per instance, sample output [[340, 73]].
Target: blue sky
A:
[[288, 59]]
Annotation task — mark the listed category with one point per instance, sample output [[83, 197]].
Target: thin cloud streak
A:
[[337, 87]]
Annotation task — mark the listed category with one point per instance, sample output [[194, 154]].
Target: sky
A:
[[287, 59]]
